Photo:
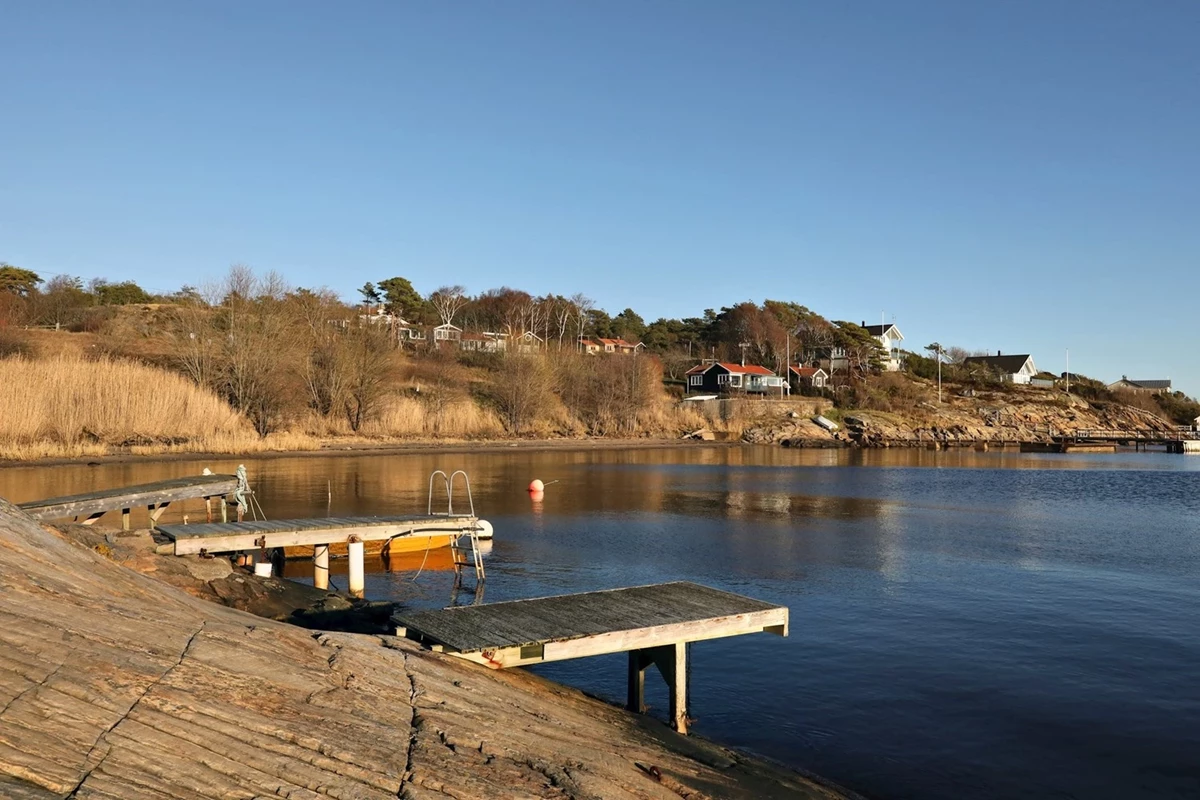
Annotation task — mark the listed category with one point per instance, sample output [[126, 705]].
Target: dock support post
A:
[[208, 509], [636, 698], [357, 567], [156, 512], [124, 519], [671, 660], [321, 566]]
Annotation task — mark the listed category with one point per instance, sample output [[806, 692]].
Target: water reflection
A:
[[952, 612]]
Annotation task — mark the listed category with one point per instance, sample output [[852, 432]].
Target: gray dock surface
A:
[[231, 536], [675, 610], [122, 497]]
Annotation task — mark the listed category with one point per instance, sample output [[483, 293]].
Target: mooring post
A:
[[224, 510], [208, 509], [321, 566], [125, 519], [357, 567]]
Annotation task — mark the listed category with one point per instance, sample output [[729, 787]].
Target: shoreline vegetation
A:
[[250, 365]]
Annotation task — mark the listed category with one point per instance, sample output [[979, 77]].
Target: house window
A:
[[723, 378], [735, 380], [818, 381], [696, 380]]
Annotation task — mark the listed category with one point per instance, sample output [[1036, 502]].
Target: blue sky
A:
[[1022, 176]]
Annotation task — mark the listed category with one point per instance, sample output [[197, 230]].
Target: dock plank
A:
[[235, 536], [639, 616], [120, 497]]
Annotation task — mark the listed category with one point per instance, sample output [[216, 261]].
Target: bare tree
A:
[[564, 312], [448, 301], [525, 391], [583, 310], [366, 375]]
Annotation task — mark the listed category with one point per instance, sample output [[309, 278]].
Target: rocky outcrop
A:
[[1003, 418], [1013, 415], [118, 686]]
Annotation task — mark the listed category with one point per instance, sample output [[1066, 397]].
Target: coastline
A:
[[150, 691], [334, 448]]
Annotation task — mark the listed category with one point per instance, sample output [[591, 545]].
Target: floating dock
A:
[[319, 534], [652, 623], [154, 496]]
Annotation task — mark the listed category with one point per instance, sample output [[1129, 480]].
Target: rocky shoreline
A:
[[1006, 418], [133, 676]]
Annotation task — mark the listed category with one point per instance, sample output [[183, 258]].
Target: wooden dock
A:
[[652, 623], [154, 496], [319, 533]]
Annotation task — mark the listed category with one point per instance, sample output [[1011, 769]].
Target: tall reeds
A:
[[67, 405]]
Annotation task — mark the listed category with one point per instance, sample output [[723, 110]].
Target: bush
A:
[[1178, 407]]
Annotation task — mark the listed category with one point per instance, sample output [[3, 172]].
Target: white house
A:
[[889, 338], [447, 333], [1018, 369]]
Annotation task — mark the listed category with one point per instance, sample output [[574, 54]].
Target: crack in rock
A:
[[103, 737]]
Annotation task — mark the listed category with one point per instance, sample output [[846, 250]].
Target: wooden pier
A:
[[353, 532], [154, 496], [652, 623]]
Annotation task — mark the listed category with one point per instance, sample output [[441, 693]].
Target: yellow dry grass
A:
[[69, 406], [407, 417]]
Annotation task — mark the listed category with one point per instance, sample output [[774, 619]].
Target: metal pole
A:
[[939, 358]]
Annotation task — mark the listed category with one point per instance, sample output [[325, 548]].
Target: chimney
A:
[[999, 353], [864, 324]]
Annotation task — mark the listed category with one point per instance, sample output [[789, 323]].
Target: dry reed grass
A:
[[408, 417], [69, 406]]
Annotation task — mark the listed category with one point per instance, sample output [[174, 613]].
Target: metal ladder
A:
[[469, 555]]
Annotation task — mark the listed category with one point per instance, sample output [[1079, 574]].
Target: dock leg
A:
[[321, 566], [124, 519], [156, 512], [357, 568], [671, 660], [208, 509], [638, 661], [224, 510]]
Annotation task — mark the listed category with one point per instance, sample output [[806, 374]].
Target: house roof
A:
[[617, 342], [880, 330], [745, 369], [447, 326], [1010, 364], [808, 372], [1153, 384], [738, 369]]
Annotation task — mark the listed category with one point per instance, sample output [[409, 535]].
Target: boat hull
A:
[[398, 546]]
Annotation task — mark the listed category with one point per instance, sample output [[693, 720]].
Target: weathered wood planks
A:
[[234, 536], [159, 493], [591, 623]]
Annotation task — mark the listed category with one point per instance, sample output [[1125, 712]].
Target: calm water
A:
[[963, 624]]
